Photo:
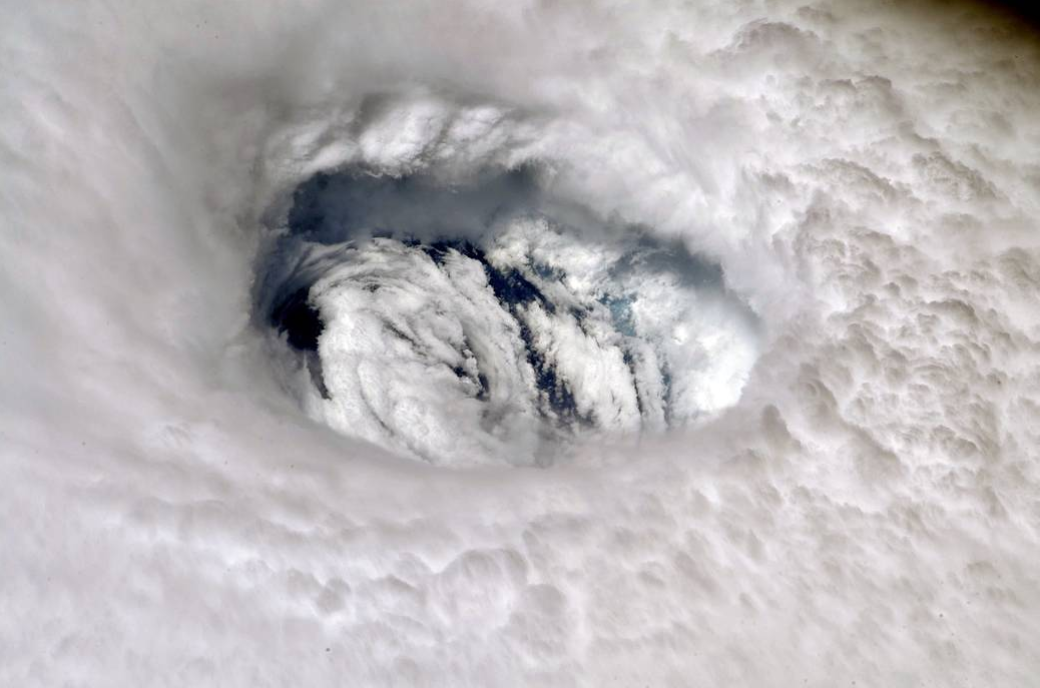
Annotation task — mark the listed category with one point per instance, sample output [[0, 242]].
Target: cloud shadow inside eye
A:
[[332, 208]]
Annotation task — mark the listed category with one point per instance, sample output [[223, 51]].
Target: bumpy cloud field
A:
[[519, 344]]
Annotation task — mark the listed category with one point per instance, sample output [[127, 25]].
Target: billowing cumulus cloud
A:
[[539, 343]]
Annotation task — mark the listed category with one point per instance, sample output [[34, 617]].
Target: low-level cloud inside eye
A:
[[491, 323]]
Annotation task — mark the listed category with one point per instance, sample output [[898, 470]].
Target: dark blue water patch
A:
[[630, 361], [302, 325], [485, 387], [559, 396], [299, 320], [510, 286], [438, 250], [480, 381], [666, 381]]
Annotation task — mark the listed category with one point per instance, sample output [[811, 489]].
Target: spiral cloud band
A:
[[535, 343]]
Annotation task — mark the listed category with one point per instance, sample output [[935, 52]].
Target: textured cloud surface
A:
[[738, 385]]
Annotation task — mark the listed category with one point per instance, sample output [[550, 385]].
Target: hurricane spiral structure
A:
[[543, 343]]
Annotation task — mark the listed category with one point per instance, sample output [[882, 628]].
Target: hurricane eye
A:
[[493, 321]]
